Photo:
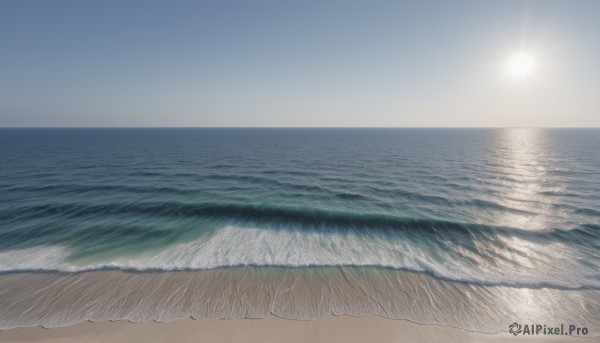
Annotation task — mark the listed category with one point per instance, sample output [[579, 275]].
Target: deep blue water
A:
[[485, 206]]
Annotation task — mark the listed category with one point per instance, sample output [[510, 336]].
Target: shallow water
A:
[[293, 293]]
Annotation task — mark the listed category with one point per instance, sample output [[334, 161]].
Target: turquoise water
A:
[[484, 206]]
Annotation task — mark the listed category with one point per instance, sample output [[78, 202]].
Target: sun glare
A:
[[520, 65]]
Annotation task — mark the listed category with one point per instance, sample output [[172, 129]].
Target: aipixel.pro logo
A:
[[542, 329]]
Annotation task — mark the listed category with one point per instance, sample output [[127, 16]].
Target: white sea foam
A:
[[36, 258], [544, 265]]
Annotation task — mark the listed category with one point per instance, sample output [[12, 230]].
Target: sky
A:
[[298, 63]]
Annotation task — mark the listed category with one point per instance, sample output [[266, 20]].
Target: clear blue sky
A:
[[297, 63]]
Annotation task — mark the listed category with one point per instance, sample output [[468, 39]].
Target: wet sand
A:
[[344, 329], [264, 304]]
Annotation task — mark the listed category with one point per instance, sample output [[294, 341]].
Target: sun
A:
[[521, 65]]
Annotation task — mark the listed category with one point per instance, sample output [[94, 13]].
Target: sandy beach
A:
[[332, 329]]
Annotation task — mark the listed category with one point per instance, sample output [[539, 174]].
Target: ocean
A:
[[473, 228]]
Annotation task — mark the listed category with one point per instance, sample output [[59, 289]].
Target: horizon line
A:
[[299, 127]]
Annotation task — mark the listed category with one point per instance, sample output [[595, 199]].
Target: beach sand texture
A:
[[344, 329]]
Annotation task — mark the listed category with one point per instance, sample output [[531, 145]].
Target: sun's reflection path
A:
[[521, 157]]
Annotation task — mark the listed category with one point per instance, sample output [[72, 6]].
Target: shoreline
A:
[[347, 329], [55, 300]]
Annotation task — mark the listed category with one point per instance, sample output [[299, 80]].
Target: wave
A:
[[309, 219], [484, 261]]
